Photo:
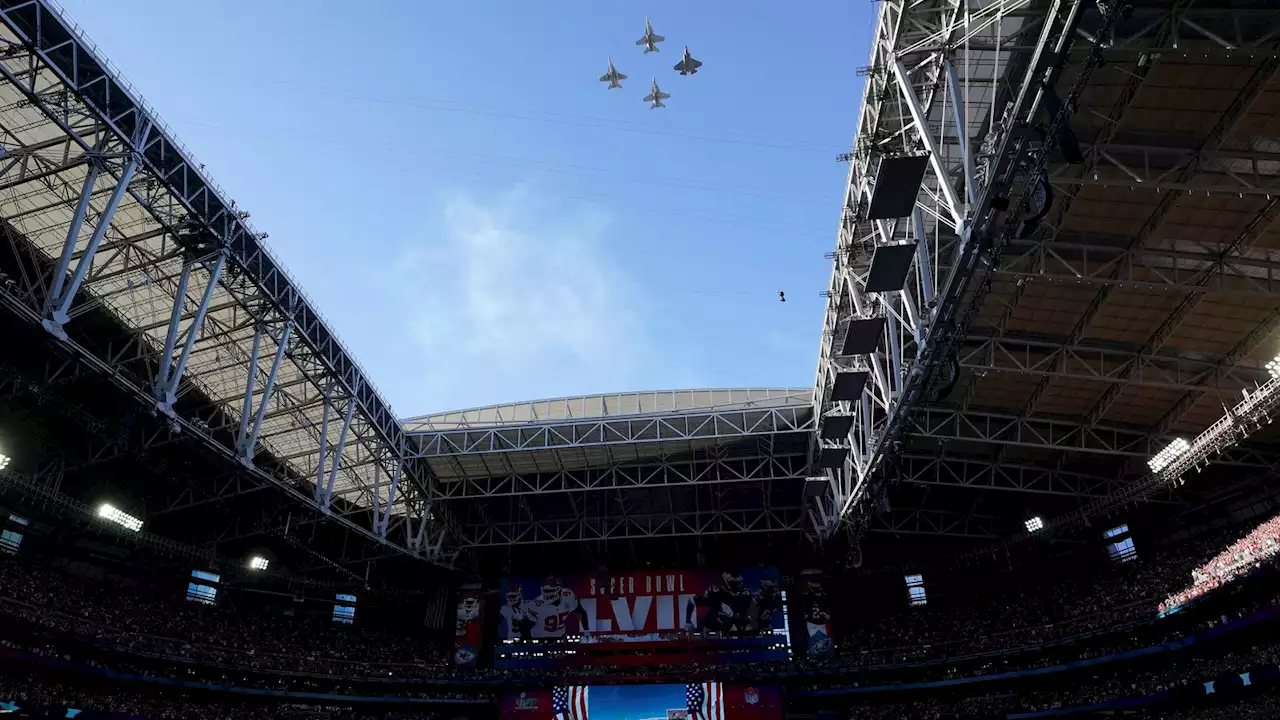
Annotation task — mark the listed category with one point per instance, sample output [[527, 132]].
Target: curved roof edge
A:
[[612, 406]]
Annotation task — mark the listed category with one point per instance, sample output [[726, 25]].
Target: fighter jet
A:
[[656, 96], [650, 40], [688, 66], [613, 77]]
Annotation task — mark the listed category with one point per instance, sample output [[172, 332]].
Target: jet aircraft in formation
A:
[[656, 96], [688, 65], [650, 40], [613, 77]]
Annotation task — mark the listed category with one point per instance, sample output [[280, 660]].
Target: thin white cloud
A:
[[512, 301]]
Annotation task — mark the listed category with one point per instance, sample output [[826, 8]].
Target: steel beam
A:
[[80, 94], [1170, 266], [1260, 78], [935, 523], [74, 91], [920, 100], [1047, 359], [661, 472], [726, 425], [1207, 381], [639, 526], [931, 470]]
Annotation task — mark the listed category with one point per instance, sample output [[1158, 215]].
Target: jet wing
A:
[[658, 38], [662, 95], [604, 77], [694, 64], [648, 98], [622, 76], [642, 40]]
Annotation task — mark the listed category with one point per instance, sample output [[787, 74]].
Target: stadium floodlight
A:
[[123, 519], [258, 563], [4, 461], [1035, 524], [1273, 367], [1165, 457]]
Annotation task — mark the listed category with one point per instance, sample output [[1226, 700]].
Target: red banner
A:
[[470, 619]]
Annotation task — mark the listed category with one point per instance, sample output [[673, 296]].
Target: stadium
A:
[[1033, 476]]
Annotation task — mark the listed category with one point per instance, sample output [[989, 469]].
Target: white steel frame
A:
[[719, 426], [87, 158], [930, 91], [697, 523], [661, 472], [930, 88]]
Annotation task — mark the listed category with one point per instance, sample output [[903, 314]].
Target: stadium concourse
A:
[[1034, 476]]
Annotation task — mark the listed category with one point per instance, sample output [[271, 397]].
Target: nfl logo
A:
[[751, 695]]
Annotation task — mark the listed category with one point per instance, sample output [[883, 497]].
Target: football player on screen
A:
[[816, 620], [728, 606], [516, 613], [768, 601], [550, 611], [468, 610]]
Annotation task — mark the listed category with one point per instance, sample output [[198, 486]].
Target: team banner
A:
[[692, 701], [815, 607], [470, 619], [580, 619]]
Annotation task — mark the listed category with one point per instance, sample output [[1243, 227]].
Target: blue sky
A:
[[481, 220]]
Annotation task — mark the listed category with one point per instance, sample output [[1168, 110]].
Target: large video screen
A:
[[694, 701], [633, 618]]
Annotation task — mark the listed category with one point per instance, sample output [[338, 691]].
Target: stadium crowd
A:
[[29, 693], [997, 618], [1103, 612], [1032, 612], [1261, 544], [148, 622], [1097, 688]]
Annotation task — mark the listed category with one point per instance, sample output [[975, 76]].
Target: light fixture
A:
[[1166, 456], [123, 519], [1273, 368], [258, 563], [1035, 524], [4, 461]]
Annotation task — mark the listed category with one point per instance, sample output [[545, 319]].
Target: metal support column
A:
[[168, 395], [171, 337], [338, 450], [247, 406], [321, 496], [60, 303], [924, 265], [931, 145], [249, 444], [384, 522], [962, 130], [895, 355], [73, 236]]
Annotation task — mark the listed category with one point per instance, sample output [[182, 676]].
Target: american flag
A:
[[706, 700], [570, 703]]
